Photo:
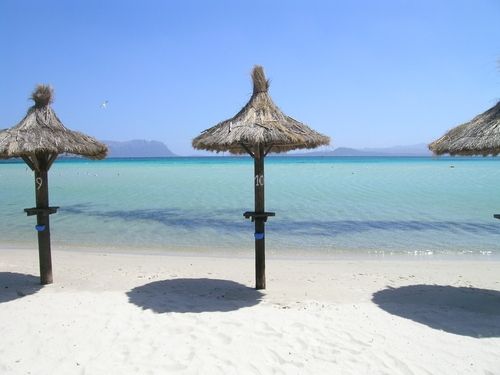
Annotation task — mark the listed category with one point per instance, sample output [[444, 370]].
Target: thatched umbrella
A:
[[259, 128], [38, 139], [480, 136]]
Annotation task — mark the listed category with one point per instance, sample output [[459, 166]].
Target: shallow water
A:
[[323, 205]]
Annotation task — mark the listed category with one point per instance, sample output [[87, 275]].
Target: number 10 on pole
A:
[[259, 180]]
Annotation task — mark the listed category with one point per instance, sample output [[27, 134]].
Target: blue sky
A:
[[366, 73]]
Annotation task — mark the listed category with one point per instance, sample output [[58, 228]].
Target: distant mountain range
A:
[[411, 150], [138, 148]]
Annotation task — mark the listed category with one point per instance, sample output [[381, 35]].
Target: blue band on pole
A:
[[40, 228], [259, 236]]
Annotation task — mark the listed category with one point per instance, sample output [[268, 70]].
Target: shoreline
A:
[[245, 253]]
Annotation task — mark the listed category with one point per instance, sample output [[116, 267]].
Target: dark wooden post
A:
[[260, 244], [43, 225], [41, 164], [259, 216]]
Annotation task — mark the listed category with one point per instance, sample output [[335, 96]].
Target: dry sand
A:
[[111, 313]]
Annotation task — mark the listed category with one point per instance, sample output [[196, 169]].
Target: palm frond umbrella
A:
[[480, 136], [259, 128], [38, 139]]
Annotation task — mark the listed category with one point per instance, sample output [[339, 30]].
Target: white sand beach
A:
[[110, 313]]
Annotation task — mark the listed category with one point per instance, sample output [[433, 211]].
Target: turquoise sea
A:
[[323, 205]]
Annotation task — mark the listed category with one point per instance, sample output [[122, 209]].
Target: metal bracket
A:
[[258, 215], [44, 211]]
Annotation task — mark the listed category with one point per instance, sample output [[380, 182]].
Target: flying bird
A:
[[104, 104]]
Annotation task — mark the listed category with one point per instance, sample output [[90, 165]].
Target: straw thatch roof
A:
[[260, 122], [480, 136], [41, 132]]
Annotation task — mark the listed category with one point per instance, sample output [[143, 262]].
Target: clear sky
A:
[[366, 73]]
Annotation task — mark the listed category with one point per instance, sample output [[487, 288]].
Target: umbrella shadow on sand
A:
[[458, 310], [193, 295], [17, 285]]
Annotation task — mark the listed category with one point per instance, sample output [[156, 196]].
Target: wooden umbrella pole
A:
[[43, 225], [258, 128], [260, 244]]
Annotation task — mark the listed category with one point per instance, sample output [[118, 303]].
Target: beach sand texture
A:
[[110, 313]]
